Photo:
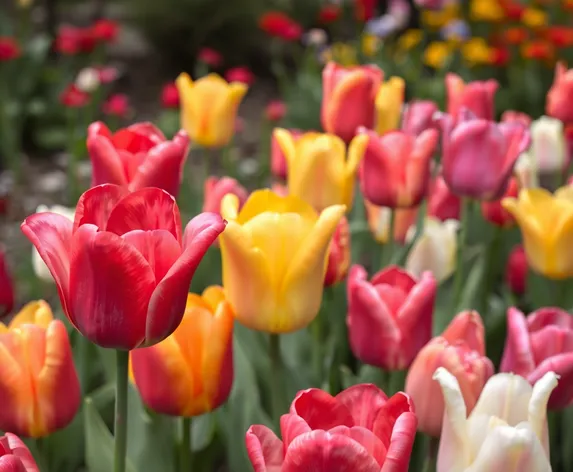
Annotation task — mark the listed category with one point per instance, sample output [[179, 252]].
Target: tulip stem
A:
[[431, 454], [390, 243], [185, 457], [120, 431], [276, 371], [84, 355], [462, 235]]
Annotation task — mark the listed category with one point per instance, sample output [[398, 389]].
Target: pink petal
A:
[[549, 316], [401, 443], [51, 235], [265, 450], [395, 276], [99, 128], [562, 365], [163, 166], [550, 341], [95, 205], [159, 248], [517, 354], [320, 410], [146, 209], [167, 304], [13, 464], [107, 167], [110, 287], [291, 427], [389, 413], [321, 451], [366, 438], [363, 402], [21, 451]]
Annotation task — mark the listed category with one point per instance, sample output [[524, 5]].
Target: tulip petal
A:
[[149, 131], [549, 316], [517, 354], [267, 201], [401, 443], [102, 266], [415, 315], [363, 401], [537, 412], [16, 398], [366, 439], [467, 326], [37, 312], [387, 415], [21, 451], [562, 365], [320, 410], [51, 234], [107, 167], [287, 144], [292, 426], [13, 464], [96, 204], [321, 451], [265, 450], [146, 209]]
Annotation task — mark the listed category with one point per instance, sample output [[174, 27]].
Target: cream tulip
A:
[[525, 171], [506, 431], [548, 146], [40, 268]]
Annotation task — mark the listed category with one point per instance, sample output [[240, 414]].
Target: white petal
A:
[[538, 406]]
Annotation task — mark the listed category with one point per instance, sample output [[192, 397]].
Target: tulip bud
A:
[[388, 307], [442, 203], [190, 372], [348, 98], [493, 212], [477, 96], [379, 221], [338, 255], [418, 116], [389, 101], [216, 188], [461, 350], [560, 94], [170, 96], [516, 270], [6, 285], [15, 455], [548, 146]]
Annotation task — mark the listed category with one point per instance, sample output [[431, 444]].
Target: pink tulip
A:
[[477, 96], [15, 455], [512, 116], [560, 95], [216, 188], [442, 203], [418, 116]]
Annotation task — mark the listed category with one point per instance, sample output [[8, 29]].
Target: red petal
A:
[[51, 234], [291, 427], [13, 464], [149, 130], [366, 438], [401, 443], [95, 205], [110, 284], [363, 402], [127, 140], [562, 365], [107, 167], [99, 128], [395, 276], [20, 450], [320, 410], [167, 304], [321, 451], [265, 450], [389, 413], [146, 209]]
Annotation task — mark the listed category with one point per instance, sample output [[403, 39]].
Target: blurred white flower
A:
[[315, 37], [88, 80], [548, 147], [526, 171]]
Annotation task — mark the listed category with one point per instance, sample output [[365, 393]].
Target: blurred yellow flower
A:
[[342, 53], [389, 101], [437, 18], [370, 45], [410, 39], [436, 54], [476, 51], [486, 10], [534, 18]]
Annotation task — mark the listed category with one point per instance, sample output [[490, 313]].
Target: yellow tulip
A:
[[486, 10], [534, 18], [37, 313], [209, 108], [546, 223], [410, 39], [437, 53], [370, 45], [435, 19], [275, 253], [389, 101], [319, 170], [476, 51]]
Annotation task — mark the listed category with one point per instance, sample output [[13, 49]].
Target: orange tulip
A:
[[190, 372], [39, 386], [339, 254]]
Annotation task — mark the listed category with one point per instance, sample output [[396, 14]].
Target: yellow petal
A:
[[213, 296], [266, 200], [287, 144], [37, 312]]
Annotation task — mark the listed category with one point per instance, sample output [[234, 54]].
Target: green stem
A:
[[401, 256], [389, 250], [84, 355], [396, 382], [120, 431], [185, 453], [431, 455], [265, 153], [276, 370], [462, 235], [317, 354], [489, 277], [72, 158]]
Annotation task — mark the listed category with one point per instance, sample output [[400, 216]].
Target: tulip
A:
[[418, 116], [494, 212], [442, 203], [190, 372], [275, 110], [360, 429], [507, 429], [394, 308], [136, 157], [548, 146], [396, 168], [516, 116], [275, 252], [216, 188], [15, 455], [320, 169], [546, 223], [39, 385], [435, 250], [209, 108], [461, 350], [468, 142], [6, 285], [477, 96], [116, 105], [389, 101], [121, 240], [170, 96], [338, 255], [379, 222], [278, 159], [525, 171], [516, 270], [540, 343], [560, 94], [348, 98], [40, 268]]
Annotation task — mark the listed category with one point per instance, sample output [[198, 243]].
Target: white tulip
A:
[[548, 145]]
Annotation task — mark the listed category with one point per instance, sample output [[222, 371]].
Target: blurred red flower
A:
[[105, 31], [513, 9], [9, 48], [6, 285], [275, 110], [515, 35], [116, 105], [500, 56], [170, 96], [329, 14], [73, 97], [210, 56], [107, 74], [539, 50], [240, 74], [72, 40], [280, 25], [559, 36], [365, 9]]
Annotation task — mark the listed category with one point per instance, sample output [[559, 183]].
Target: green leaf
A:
[[472, 284], [202, 431]]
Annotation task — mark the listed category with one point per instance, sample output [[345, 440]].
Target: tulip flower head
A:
[[275, 254], [442, 203], [418, 116], [360, 429], [477, 96], [389, 101], [516, 116], [494, 212], [39, 386], [338, 255], [461, 350], [540, 343], [516, 270], [525, 171], [209, 108], [560, 94], [216, 188], [506, 430], [118, 241], [15, 455], [546, 223], [548, 145], [379, 221], [136, 157], [190, 372], [394, 308], [320, 168], [278, 159], [6, 285]]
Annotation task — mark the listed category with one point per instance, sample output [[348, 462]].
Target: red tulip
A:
[[338, 255], [329, 14], [393, 308], [170, 96], [9, 49], [509, 116], [395, 171], [348, 98], [6, 285], [360, 429], [240, 74], [493, 212], [123, 268], [516, 270], [68, 40], [560, 94], [461, 350], [477, 96], [418, 116], [280, 25], [479, 155], [442, 203], [365, 9], [210, 56], [73, 97], [136, 157], [15, 455], [540, 343], [105, 31], [275, 110], [216, 188], [116, 105]]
